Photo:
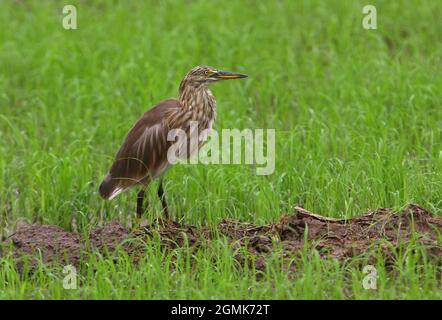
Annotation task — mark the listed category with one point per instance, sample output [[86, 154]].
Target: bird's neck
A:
[[197, 98]]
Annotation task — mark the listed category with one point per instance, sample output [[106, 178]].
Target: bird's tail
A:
[[110, 188]]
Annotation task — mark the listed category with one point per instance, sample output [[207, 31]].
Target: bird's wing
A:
[[143, 155]]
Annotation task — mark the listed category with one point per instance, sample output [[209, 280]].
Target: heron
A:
[[143, 156]]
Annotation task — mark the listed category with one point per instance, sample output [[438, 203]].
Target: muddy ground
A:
[[382, 229]]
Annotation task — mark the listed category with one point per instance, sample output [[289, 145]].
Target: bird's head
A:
[[205, 75]]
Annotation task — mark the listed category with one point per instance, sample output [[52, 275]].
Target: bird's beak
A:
[[225, 75]]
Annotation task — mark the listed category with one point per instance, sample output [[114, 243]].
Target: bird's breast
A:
[[197, 118]]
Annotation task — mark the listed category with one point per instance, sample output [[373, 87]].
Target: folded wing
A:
[[143, 155]]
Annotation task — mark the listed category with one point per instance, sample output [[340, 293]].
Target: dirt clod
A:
[[332, 238]]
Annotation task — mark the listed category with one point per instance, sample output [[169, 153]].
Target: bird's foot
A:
[[139, 223], [167, 222], [142, 225]]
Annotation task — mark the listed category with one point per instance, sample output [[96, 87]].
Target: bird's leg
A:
[[163, 199], [140, 203]]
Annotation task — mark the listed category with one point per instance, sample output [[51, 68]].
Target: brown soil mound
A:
[[332, 238]]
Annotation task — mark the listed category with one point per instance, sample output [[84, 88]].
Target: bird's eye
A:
[[207, 72]]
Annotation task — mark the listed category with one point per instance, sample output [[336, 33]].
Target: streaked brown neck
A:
[[197, 98]]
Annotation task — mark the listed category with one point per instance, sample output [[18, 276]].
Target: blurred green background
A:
[[357, 115]]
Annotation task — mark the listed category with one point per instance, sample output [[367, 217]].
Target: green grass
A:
[[357, 114], [212, 273]]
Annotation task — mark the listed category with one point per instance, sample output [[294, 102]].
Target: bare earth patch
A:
[[333, 239]]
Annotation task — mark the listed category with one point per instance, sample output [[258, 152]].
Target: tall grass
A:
[[357, 117]]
